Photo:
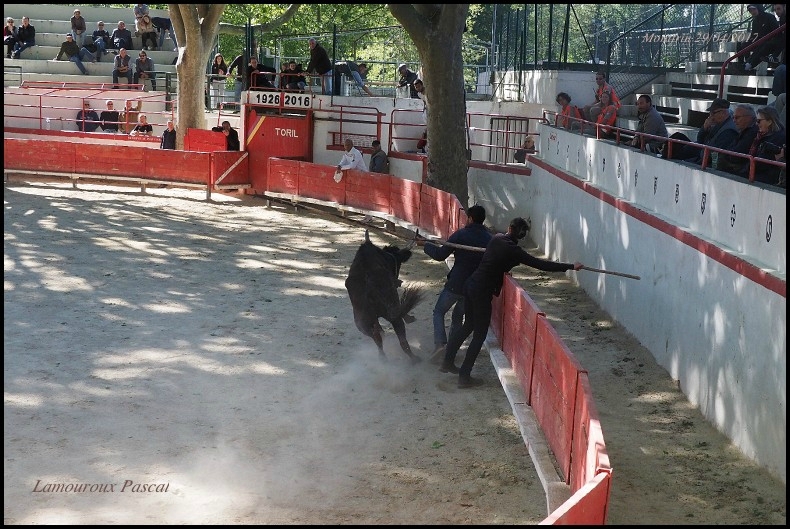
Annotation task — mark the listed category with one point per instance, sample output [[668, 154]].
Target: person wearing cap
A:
[[74, 53], [101, 39], [26, 37], [761, 25], [321, 65], [501, 254], [718, 130], [87, 118], [407, 78]]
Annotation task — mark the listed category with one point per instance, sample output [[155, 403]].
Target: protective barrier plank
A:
[[39, 155], [200, 140], [318, 181], [283, 176], [224, 160], [369, 191], [588, 449], [588, 506], [520, 329], [405, 200], [555, 377], [119, 161], [435, 206], [178, 166]]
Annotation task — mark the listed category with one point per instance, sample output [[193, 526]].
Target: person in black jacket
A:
[[762, 24], [320, 64], [254, 77], [26, 37], [501, 255], [168, 136], [407, 78], [231, 136]]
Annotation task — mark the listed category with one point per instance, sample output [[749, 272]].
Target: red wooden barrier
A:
[[283, 177], [520, 329], [200, 140], [588, 450], [405, 200], [369, 191], [318, 181], [588, 506], [40, 155], [222, 161], [178, 166], [555, 377], [435, 206]]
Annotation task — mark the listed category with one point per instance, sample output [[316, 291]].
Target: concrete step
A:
[[66, 67], [163, 60], [714, 56], [43, 12], [56, 39]]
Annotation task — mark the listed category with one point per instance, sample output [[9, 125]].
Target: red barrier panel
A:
[[555, 377], [457, 215], [405, 199], [588, 506], [498, 316], [38, 155], [435, 206], [588, 451], [520, 330], [283, 176], [200, 140], [369, 191], [178, 166], [106, 160], [222, 161], [318, 181]]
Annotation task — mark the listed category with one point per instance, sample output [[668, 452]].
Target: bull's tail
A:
[[409, 298]]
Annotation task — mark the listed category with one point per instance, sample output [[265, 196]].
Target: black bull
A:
[[372, 285]]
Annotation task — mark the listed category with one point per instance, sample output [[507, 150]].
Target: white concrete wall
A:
[[721, 335]]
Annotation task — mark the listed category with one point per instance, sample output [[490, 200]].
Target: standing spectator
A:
[[569, 115], [121, 66], [128, 117], [143, 128], [650, 122], [219, 71], [87, 118], [122, 37], [358, 72], [75, 54], [293, 77], [607, 116], [465, 262], [407, 78], [321, 65], [500, 256], [140, 10], [10, 36], [718, 130], [101, 39], [109, 118], [762, 24], [168, 137], [379, 163], [255, 79], [352, 158], [143, 67], [238, 83], [145, 28], [231, 136], [26, 37], [161, 24], [419, 87], [591, 111], [78, 28], [768, 144], [745, 119], [780, 72]]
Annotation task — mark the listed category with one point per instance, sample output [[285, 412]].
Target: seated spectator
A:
[[591, 111], [231, 136], [745, 119], [144, 27], [121, 66], [143, 67], [358, 72], [109, 118], [168, 136], [255, 79], [87, 118], [128, 117], [101, 40], [569, 115], [768, 144], [407, 78], [26, 37], [143, 128], [352, 157], [379, 163], [607, 117], [293, 77], [528, 147], [10, 36], [761, 25], [122, 37], [75, 54], [78, 28], [162, 24], [718, 130], [650, 122]]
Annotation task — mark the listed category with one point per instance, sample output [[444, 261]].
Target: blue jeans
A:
[[101, 47], [19, 47], [326, 83], [79, 38], [780, 80], [446, 301], [128, 76], [162, 37], [77, 59]]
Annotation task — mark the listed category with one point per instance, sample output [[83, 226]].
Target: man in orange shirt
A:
[[591, 111]]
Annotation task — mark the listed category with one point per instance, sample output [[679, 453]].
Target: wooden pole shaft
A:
[[629, 276]]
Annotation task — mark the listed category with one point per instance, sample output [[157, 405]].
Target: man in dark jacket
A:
[[650, 122], [718, 130], [321, 65], [25, 37], [407, 78], [466, 261], [231, 136], [762, 24], [501, 255], [745, 118]]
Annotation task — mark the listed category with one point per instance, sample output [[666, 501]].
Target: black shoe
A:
[[448, 367], [469, 382]]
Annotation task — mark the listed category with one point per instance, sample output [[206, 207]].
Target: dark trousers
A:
[[477, 319]]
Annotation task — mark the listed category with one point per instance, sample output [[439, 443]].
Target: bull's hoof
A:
[[408, 318]]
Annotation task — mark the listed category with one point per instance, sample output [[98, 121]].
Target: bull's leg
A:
[[400, 331], [378, 337]]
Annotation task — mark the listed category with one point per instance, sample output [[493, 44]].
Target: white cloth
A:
[[353, 160]]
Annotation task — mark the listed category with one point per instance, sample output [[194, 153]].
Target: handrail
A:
[[706, 149], [743, 52]]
